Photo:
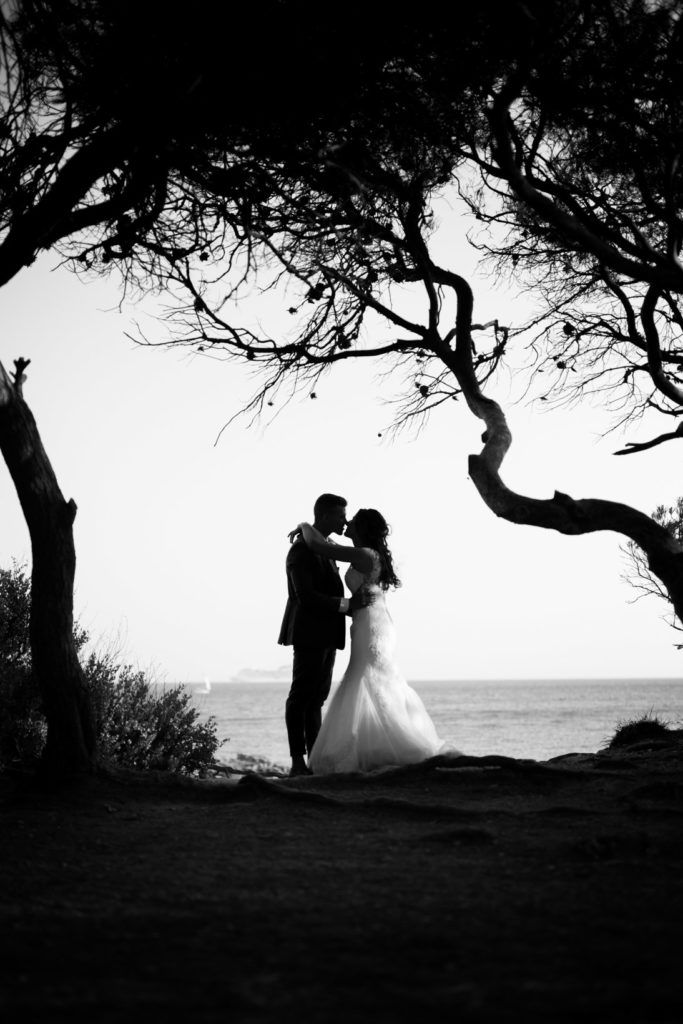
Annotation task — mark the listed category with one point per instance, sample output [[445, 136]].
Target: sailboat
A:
[[206, 688]]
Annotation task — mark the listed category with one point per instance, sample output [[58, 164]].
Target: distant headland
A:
[[283, 674]]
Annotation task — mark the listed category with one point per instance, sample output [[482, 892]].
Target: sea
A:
[[530, 718]]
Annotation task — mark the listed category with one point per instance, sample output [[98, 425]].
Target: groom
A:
[[314, 624]]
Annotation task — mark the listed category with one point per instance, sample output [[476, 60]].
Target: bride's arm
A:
[[358, 557]]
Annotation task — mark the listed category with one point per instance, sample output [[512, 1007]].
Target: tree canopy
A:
[[564, 140], [113, 111], [584, 164], [559, 124]]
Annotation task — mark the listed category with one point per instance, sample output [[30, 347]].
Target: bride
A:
[[375, 718]]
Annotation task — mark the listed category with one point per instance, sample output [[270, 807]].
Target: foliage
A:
[[649, 727], [272, 172], [557, 122], [15, 614], [572, 165], [584, 192], [146, 726], [107, 157], [15, 618], [23, 729], [138, 724], [639, 574]]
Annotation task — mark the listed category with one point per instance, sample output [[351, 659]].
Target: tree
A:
[[583, 157], [547, 139], [71, 735]]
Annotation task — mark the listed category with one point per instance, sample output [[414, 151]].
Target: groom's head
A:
[[329, 513]]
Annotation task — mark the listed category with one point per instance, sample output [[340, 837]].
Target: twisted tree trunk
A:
[[70, 746], [561, 513]]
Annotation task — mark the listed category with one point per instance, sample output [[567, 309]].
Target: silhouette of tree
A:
[[583, 157], [565, 144]]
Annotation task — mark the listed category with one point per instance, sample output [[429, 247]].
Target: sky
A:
[[181, 538]]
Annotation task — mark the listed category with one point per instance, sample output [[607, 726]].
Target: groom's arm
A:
[[301, 575]]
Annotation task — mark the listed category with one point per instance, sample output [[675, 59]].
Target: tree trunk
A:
[[585, 515], [562, 513], [70, 746]]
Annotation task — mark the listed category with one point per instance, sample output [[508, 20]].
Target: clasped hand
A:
[[361, 599]]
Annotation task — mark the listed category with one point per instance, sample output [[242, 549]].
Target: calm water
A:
[[531, 718]]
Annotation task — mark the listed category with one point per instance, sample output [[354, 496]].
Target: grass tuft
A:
[[649, 727]]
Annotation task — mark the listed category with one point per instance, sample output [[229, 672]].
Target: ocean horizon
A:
[[535, 718]]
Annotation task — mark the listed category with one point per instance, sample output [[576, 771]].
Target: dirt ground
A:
[[476, 889]]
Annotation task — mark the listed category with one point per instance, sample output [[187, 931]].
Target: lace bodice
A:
[[355, 579]]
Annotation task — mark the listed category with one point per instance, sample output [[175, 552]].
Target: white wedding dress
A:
[[374, 719]]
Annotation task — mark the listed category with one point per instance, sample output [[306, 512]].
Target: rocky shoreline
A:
[[478, 889]]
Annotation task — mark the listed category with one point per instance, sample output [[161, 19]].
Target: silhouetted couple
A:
[[375, 718]]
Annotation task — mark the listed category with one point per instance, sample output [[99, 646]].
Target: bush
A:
[[649, 727], [139, 724], [22, 725], [142, 725], [15, 611]]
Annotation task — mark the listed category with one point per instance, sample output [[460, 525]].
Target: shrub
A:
[[15, 611], [649, 727], [144, 725], [139, 723], [22, 725], [15, 614]]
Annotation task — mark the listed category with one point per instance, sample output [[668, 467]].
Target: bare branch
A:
[[632, 446]]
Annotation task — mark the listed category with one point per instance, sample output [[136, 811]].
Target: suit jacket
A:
[[312, 617]]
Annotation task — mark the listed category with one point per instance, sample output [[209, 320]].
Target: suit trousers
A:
[[311, 683]]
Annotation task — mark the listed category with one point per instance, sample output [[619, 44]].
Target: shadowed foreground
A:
[[477, 889]]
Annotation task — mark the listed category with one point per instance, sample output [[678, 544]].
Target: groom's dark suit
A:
[[316, 628]]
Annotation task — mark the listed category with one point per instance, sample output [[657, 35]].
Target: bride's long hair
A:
[[373, 531]]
